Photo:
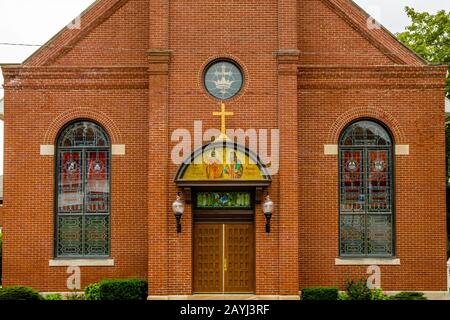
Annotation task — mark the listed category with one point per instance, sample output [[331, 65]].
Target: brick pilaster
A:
[[159, 24], [288, 207], [158, 166], [158, 203]]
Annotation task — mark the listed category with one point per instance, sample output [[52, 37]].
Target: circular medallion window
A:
[[223, 79]]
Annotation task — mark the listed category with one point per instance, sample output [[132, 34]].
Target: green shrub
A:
[[377, 294], [19, 293], [123, 289], [75, 296], [358, 290], [320, 294], [409, 296], [92, 291], [343, 296], [53, 296]]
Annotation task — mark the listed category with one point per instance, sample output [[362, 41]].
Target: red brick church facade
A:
[[311, 68]]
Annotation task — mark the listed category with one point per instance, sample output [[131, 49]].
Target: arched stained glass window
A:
[[83, 191], [366, 190]]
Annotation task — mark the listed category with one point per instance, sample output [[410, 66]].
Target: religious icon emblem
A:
[[379, 165], [97, 167], [214, 167], [351, 165], [71, 166], [234, 169], [223, 79]]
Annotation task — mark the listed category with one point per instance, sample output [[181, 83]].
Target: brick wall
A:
[[411, 106], [34, 116], [152, 85]]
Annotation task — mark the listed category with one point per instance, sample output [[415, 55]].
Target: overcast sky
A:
[[36, 21]]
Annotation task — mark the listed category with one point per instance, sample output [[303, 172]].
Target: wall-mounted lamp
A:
[[268, 211], [178, 210]]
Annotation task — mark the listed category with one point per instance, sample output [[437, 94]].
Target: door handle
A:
[[225, 264]]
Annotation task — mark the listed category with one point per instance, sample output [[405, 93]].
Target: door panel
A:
[[208, 268], [239, 258], [224, 258]]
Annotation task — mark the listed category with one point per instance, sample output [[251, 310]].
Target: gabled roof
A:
[[101, 10]]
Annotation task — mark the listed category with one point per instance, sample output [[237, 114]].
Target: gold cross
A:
[[223, 114]]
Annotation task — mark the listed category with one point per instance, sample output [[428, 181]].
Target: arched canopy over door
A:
[[222, 163]]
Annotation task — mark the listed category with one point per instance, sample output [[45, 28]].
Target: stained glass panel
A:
[[83, 134], [83, 189], [96, 235], [352, 189], [366, 209], [365, 133], [353, 234], [379, 188], [70, 187], [235, 200], [97, 184], [379, 235], [223, 79], [70, 242]]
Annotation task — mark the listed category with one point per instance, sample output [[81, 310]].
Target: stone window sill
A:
[[367, 261], [81, 263]]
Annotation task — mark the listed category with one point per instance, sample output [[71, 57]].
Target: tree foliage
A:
[[429, 36]]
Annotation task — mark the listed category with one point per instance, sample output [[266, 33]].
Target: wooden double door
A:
[[224, 257]]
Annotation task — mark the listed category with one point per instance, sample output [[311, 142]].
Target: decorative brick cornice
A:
[[372, 77], [288, 60], [159, 55], [159, 60], [17, 77], [287, 55], [433, 70]]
